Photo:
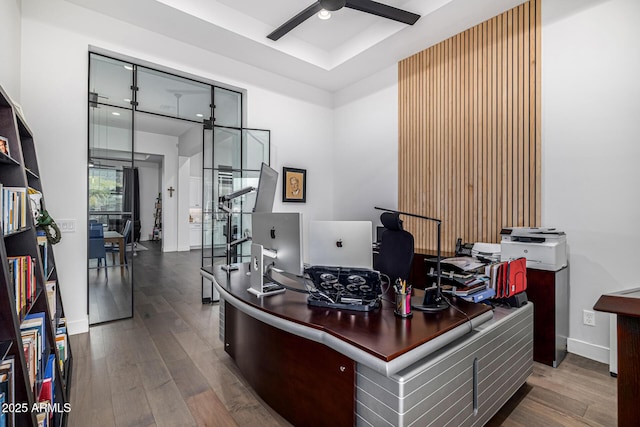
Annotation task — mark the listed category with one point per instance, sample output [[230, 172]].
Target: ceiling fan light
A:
[[324, 14], [332, 4]]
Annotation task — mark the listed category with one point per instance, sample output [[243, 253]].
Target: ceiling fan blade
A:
[[383, 10], [295, 21]]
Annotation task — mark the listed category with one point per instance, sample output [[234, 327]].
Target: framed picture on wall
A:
[[294, 185]]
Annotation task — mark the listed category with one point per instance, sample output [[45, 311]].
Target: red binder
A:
[[516, 276], [511, 277]]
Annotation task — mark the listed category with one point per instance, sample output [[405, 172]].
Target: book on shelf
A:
[[51, 297], [14, 208], [42, 419], [43, 245], [3, 414], [33, 332], [30, 357], [62, 342], [4, 146], [7, 391], [22, 273], [47, 390], [62, 326]]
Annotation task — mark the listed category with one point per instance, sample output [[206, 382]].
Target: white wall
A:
[[301, 137], [191, 141], [166, 146], [183, 194], [10, 22], [591, 148], [56, 36], [365, 165], [149, 176], [196, 163]]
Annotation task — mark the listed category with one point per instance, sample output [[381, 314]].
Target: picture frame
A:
[[294, 185], [4, 146]]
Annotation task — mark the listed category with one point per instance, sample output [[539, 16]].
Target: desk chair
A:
[[396, 248], [96, 246]]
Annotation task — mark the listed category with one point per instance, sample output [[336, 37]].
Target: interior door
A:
[[112, 184], [232, 161]]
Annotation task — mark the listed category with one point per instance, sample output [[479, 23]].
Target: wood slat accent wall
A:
[[469, 131]]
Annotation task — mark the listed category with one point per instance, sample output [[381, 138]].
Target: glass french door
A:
[[232, 160]]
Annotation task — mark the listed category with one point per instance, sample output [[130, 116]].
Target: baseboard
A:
[[78, 326], [588, 350]]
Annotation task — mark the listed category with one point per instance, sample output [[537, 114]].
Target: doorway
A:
[[144, 126]]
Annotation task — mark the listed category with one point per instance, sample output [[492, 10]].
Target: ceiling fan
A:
[[367, 6]]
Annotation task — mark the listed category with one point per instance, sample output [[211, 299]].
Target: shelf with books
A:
[[37, 359], [7, 389]]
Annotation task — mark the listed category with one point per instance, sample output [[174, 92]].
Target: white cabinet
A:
[[195, 234], [195, 192]]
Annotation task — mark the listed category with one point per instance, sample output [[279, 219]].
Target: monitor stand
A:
[[256, 269]]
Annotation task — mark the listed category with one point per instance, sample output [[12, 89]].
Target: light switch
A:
[[67, 225]]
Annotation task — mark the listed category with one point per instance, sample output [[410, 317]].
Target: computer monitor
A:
[[341, 244], [266, 192], [282, 233]]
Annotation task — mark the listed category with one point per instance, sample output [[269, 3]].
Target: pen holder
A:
[[403, 304]]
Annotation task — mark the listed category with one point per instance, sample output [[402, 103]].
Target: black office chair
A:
[[396, 248]]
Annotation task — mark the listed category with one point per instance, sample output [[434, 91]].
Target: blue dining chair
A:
[[96, 246]]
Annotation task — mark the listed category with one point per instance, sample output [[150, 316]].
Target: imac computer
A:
[[281, 233], [266, 192], [341, 244]]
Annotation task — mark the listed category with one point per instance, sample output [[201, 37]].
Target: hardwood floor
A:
[[167, 367]]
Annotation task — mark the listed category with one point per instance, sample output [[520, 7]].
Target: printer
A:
[[544, 248]]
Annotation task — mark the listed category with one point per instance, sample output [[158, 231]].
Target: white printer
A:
[[544, 248]]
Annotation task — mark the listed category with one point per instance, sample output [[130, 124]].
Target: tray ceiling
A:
[[328, 54]]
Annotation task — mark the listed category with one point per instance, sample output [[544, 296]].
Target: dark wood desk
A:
[[337, 367], [626, 305]]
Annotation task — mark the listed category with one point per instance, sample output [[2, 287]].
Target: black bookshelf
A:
[[23, 238]]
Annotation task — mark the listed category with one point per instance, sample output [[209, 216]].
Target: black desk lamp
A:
[[430, 303]]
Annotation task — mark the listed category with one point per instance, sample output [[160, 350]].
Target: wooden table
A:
[[324, 366], [626, 305], [114, 237]]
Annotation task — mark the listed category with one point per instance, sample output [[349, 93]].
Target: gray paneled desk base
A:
[[327, 367]]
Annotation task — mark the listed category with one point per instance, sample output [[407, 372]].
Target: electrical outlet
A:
[[66, 225], [589, 317]]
